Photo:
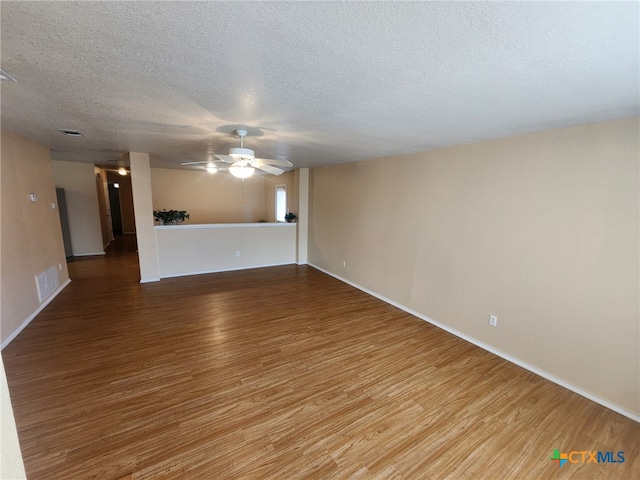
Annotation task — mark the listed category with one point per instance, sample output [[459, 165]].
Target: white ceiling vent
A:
[[70, 133], [5, 76]]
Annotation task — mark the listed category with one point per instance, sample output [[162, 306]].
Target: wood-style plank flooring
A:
[[279, 373]]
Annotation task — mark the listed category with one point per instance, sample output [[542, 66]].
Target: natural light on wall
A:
[[281, 202]]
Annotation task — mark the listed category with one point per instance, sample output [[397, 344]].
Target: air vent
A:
[[47, 282], [4, 76], [70, 133]]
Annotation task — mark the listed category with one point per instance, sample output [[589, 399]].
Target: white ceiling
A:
[[314, 82]]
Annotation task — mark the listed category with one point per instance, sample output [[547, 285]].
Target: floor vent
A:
[[47, 282]]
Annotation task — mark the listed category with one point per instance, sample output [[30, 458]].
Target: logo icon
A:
[[559, 458], [586, 457]]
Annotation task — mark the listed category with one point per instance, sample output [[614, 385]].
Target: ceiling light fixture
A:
[[241, 170], [122, 171], [116, 185], [242, 167], [211, 168]]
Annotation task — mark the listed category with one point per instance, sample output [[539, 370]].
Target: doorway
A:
[[121, 201], [116, 208], [103, 204]]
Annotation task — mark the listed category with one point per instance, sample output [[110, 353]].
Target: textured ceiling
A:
[[314, 82]]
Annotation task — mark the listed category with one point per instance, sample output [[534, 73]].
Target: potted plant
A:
[[170, 217], [290, 217]]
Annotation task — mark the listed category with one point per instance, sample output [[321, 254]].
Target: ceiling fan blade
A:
[[279, 163], [225, 158], [267, 168], [192, 163]]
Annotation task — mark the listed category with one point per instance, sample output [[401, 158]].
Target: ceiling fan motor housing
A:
[[245, 153]]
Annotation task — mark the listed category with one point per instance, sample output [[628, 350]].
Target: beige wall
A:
[[541, 230], [194, 249], [302, 176], [30, 231], [209, 198], [11, 465], [78, 181]]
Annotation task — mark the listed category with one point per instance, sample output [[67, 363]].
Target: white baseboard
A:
[[90, 254], [489, 348], [22, 326], [150, 280], [204, 272]]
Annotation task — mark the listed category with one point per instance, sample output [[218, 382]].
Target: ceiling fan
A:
[[244, 162]]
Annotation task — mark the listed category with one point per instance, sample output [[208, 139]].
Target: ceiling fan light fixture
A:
[[122, 171], [211, 169], [241, 170], [244, 162]]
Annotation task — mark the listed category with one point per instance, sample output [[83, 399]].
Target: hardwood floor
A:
[[280, 373]]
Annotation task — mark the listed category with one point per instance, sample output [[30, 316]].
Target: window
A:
[[281, 202]]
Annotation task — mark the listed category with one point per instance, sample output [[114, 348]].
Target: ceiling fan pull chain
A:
[[243, 190]]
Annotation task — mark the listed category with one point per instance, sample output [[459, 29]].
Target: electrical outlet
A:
[[237, 253], [493, 320], [344, 263]]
